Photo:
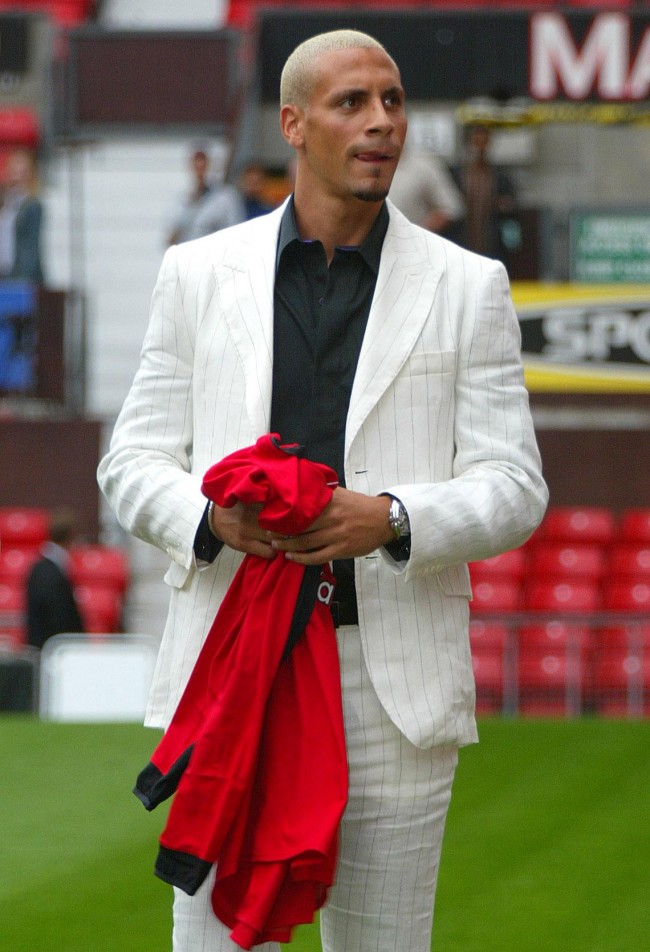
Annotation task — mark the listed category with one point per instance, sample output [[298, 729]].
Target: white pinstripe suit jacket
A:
[[438, 416]]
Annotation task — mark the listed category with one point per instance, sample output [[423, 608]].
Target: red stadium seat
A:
[[550, 683], [554, 636], [12, 614], [627, 595], [635, 525], [99, 563], [487, 636], [631, 636], [15, 562], [100, 607], [566, 560], [568, 595], [489, 678], [577, 524], [507, 565], [23, 526], [495, 595], [65, 12], [630, 559], [622, 684], [608, 645]]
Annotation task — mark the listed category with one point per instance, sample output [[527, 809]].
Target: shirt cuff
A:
[[400, 549], [206, 545]]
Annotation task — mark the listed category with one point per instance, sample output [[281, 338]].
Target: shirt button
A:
[[321, 300]]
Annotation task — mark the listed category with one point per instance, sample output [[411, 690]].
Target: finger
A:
[[263, 549], [313, 557], [308, 542]]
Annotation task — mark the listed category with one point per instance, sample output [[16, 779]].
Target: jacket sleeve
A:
[[496, 496], [146, 475]]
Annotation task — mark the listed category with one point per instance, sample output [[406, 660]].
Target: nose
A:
[[379, 119]]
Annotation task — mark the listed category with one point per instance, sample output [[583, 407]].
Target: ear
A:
[[291, 125]]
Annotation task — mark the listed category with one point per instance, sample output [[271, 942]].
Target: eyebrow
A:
[[346, 93]]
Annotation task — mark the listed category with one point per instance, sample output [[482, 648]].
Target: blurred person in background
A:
[[252, 184], [423, 189], [393, 356], [21, 220], [489, 196], [209, 206], [51, 605]]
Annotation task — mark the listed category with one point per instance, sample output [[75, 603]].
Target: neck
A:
[[333, 221]]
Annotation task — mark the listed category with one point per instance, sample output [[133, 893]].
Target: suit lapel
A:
[[403, 300], [245, 278]]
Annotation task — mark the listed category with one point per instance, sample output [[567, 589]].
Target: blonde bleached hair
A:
[[299, 70]]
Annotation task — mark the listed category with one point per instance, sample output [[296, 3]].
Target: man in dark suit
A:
[[51, 605]]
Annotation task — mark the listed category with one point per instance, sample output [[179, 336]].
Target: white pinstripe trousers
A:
[[391, 836]]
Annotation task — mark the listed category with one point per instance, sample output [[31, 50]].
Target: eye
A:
[[393, 100]]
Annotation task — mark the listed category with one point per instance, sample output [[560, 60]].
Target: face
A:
[[350, 135], [479, 140], [199, 163], [19, 169]]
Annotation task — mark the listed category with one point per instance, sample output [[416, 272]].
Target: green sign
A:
[[611, 246]]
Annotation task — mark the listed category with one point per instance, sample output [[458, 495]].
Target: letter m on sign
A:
[[557, 64]]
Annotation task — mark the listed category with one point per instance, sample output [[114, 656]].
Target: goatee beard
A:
[[370, 195]]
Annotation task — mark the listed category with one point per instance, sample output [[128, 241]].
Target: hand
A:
[[238, 528], [352, 524]]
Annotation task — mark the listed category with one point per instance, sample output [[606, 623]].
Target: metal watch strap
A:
[[398, 519], [210, 508]]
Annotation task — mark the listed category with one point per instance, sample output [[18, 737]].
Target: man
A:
[[21, 220], [209, 206], [489, 197], [393, 356], [51, 605], [252, 183], [423, 189]]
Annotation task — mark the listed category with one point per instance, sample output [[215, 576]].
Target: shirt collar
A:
[[370, 250], [57, 554]]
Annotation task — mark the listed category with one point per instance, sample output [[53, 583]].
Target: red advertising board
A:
[[242, 13]]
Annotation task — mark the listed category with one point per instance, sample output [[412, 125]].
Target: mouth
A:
[[375, 156]]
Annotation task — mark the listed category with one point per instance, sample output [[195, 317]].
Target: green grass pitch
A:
[[547, 846]]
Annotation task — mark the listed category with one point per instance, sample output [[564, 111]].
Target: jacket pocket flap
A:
[[176, 575], [455, 581]]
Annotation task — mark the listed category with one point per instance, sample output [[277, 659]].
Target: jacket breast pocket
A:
[[424, 389], [430, 363]]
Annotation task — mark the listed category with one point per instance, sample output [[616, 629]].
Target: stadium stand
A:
[[568, 561], [100, 605], [498, 594], [12, 608], [15, 563], [577, 524], [100, 576], [100, 563], [22, 526], [635, 525], [66, 13], [561, 626], [558, 627]]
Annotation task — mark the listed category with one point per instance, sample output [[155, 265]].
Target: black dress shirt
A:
[[320, 316]]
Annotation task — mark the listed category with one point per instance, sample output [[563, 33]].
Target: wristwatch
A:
[[210, 509], [398, 519]]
